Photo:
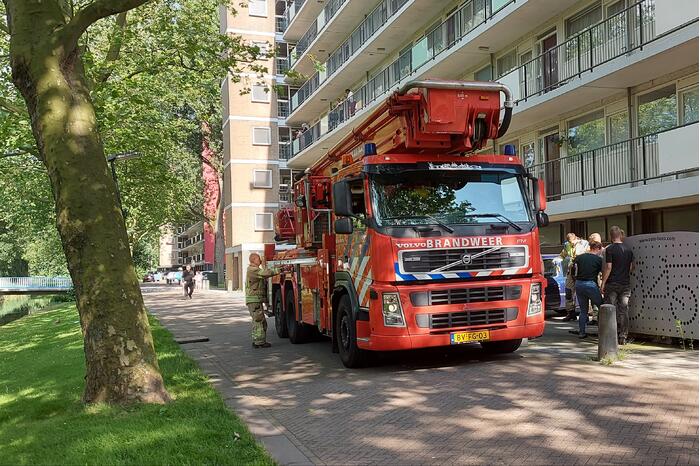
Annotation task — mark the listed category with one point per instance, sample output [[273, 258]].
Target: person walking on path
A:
[[573, 247], [255, 295], [595, 237], [188, 281], [619, 261], [587, 267]]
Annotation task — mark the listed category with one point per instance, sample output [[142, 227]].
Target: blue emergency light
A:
[[370, 148], [509, 149]]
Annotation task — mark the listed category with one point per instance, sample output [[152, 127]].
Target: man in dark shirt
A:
[[188, 281], [587, 267], [616, 280]]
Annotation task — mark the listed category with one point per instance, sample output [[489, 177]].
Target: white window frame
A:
[[269, 136], [262, 186], [255, 221], [256, 13], [264, 90], [264, 47]]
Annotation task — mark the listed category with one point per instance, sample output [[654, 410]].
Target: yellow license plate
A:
[[467, 337]]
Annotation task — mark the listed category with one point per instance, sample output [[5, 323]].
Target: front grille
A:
[[428, 261], [465, 295], [468, 318]]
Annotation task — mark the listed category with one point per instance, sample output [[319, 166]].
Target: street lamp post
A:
[[113, 158]]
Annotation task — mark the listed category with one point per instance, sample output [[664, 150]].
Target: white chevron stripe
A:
[[368, 282]]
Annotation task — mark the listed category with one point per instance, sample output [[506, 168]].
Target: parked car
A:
[[555, 291], [148, 278], [174, 277]]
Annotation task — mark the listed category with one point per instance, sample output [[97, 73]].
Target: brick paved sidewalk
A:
[[548, 403]]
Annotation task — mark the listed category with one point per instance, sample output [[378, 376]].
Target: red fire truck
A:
[[406, 239]]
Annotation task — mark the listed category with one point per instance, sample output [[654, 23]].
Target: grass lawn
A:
[[42, 420]]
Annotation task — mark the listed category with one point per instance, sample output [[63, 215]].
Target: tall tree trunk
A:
[[120, 359]]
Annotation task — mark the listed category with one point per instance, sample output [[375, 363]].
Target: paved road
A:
[[548, 403]]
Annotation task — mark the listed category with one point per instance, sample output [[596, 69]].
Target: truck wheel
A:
[[280, 322], [297, 331], [350, 354], [501, 347]]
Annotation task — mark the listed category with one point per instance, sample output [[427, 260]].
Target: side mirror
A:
[[540, 195], [342, 199], [542, 219], [343, 226]]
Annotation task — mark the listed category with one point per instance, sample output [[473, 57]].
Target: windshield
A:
[[448, 197]]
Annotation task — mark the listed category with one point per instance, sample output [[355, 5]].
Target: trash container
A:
[[213, 279]]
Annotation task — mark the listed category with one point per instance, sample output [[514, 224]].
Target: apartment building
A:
[[191, 244], [606, 98], [257, 140]]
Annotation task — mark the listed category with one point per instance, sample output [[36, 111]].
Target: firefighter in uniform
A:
[[255, 295]]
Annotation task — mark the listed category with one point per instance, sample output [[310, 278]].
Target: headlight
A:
[[391, 309], [535, 305]]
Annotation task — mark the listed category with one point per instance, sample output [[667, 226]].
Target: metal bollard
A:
[[607, 331]]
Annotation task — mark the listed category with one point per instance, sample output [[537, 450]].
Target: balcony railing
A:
[[292, 10], [471, 15], [359, 37], [280, 24], [282, 108], [627, 163], [305, 139], [285, 197], [331, 8], [611, 38]]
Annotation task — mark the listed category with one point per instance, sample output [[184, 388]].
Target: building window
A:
[[506, 63], [586, 132], [689, 105], [583, 20], [260, 93], [618, 130], [264, 49], [262, 178], [657, 110], [262, 136], [257, 8], [483, 74], [263, 222]]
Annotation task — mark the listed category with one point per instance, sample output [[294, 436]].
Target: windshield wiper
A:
[[427, 217], [499, 216]]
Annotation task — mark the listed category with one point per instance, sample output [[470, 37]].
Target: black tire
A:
[[346, 332], [501, 347], [297, 331], [280, 320]]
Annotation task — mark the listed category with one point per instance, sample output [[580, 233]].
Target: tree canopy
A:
[[154, 75]]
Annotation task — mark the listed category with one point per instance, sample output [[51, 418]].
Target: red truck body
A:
[[404, 241]]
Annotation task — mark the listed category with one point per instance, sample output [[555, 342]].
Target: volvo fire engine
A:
[[405, 238]]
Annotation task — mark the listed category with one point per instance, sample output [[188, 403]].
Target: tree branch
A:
[[92, 13], [114, 46], [11, 107]]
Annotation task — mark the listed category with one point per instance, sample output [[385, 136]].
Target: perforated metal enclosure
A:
[[665, 294]]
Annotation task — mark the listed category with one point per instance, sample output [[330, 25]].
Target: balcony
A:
[[300, 14], [331, 8], [359, 37], [616, 36], [460, 24], [442, 54], [637, 163]]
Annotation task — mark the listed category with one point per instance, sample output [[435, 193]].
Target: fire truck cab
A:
[[404, 240]]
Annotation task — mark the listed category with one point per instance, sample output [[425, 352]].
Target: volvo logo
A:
[[467, 259]]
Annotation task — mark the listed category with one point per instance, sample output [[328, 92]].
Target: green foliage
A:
[[45, 256], [155, 75], [42, 420]]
